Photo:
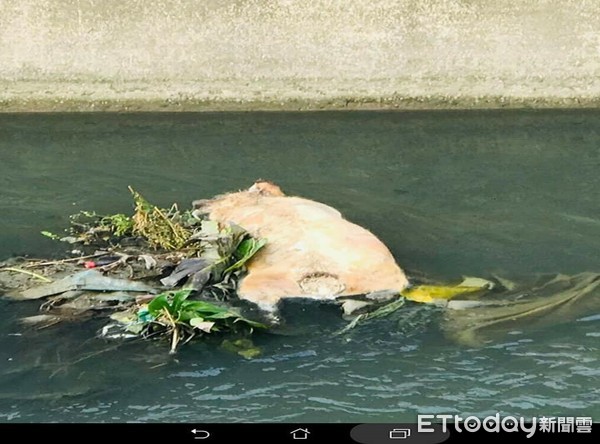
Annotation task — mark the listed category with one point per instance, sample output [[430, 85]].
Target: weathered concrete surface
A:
[[231, 54]]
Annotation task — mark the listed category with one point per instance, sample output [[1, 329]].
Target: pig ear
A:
[[266, 188]]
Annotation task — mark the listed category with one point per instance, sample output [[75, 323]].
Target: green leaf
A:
[[251, 323], [245, 250], [120, 224], [157, 304], [243, 347], [185, 315], [179, 298], [140, 201], [250, 353], [172, 301], [50, 235], [203, 307], [223, 315], [230, 314], [201, 324]]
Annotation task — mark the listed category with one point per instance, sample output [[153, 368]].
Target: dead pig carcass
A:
[[311, 250]]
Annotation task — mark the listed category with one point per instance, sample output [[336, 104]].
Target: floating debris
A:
[[160, 273], [551, 300], [85, 280], [173, 275]]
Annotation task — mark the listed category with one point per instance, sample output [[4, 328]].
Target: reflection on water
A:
[[451, 193]]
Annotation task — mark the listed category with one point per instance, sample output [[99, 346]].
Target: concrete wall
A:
[[199, 54]]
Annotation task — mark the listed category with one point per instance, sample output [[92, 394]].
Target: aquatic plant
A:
[[172, 313], [153, 249], [161, 227], [119, 224]]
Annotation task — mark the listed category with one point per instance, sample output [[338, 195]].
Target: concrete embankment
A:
[[297, 54]]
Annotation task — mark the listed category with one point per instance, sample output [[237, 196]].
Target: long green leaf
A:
[[157, 304], [247, 248], [179, 298], [223, 315], [203, 307]]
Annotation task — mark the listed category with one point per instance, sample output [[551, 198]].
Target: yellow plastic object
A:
[[429, 293]]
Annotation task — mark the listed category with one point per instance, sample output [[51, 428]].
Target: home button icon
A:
[[300, 433]]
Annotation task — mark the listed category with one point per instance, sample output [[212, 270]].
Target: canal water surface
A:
[[482, 193]]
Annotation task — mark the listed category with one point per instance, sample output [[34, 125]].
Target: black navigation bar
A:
[[301, 433]]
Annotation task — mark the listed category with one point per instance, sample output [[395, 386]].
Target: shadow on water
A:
[[451, 193]]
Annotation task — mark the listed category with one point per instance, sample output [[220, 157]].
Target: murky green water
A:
[[451, 193]]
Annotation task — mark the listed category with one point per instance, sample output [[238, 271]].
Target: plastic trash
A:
[[91, 280]]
